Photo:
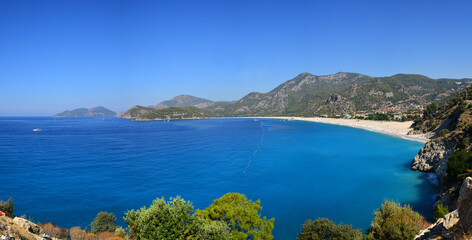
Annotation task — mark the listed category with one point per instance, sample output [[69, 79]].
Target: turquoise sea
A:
[[76, 167]]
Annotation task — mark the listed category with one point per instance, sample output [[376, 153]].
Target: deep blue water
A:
[[76, 167]]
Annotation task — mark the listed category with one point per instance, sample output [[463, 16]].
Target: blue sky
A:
[[58, 55]]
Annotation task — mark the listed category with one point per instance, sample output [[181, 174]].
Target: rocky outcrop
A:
[[28, 225], [456, 222], [465, 205], [440, 227], [432, 157]]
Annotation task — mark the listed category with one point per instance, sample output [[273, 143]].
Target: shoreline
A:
[[392, 128]]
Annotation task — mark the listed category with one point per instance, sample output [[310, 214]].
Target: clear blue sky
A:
[[58, 55]]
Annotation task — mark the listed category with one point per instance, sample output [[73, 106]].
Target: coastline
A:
[[397, 129]]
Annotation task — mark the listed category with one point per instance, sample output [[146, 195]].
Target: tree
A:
[[104, 222], [241, 215], [7, 208], [394, 222], [458, 163], [325, 229], [439, 211], [172, 220]]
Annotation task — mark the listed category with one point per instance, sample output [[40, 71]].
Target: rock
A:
[[30, 226], [438, 229], [432, 157], [465, 205]]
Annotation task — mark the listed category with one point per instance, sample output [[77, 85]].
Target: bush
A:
[[172, 220], [394, 221], [241, 215], [443, 132], [120, 232], [104, 222], [53, 230], [7, 208], [325, 229], [458, 163], [440, 211]]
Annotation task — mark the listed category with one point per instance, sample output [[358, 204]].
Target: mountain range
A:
[[330, 95]]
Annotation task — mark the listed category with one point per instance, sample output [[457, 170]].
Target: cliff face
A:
[[433, 157]]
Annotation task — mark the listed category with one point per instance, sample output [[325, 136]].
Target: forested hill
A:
[[343, 93], [329, 95]]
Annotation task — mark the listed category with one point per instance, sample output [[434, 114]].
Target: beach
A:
[[398, 129]]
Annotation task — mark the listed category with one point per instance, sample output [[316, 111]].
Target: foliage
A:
[[440, 211], [241, 215], [120, 232], [176, 113], [172, 220], [325, 229], [430, 110], [7, 208], [394, 221], [443, 132], [379, 117], [458, 163], [104, 222], [53, 230]]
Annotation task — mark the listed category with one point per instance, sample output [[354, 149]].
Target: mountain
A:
[[332, 95], [87, 112], [135, 112], [342, 93], [184, 101]]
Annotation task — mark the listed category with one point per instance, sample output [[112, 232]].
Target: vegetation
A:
[[241, 215], [176, 113], [104, 222], [440, 211], [394, 221], [457, 164], [172, 220], [325, 229], [7, 208]]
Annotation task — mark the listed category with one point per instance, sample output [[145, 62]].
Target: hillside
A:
[[175, 113], [135, 112], [184, 101], [448, 154], [341, 94], [87, 112]]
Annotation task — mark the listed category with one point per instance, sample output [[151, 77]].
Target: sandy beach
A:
[[398, 129]]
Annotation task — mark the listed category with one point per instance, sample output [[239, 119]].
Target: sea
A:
[[76, 167]]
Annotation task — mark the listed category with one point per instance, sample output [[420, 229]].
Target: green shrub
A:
[[325, 229], [172, 220], [458, 163], [241, 215], [440, 211], [7, 208], [120, 232], [104, 222], [443, 132], [394, 221]]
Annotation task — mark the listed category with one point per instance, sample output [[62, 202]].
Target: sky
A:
[[61, 54]]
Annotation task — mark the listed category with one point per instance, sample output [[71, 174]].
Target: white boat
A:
[[37, 130]]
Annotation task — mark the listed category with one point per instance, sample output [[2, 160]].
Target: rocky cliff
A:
[[456, 224], [433, 157]]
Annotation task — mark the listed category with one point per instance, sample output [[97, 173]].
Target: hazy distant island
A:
[[87, 112]]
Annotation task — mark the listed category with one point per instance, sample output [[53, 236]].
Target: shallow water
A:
[[76, 167]]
